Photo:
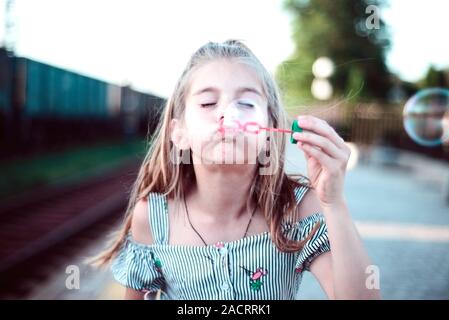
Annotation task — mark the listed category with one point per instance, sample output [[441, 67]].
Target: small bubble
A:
[[426, 117]]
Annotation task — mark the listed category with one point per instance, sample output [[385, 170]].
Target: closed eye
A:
[[205, 105], [246, 104]]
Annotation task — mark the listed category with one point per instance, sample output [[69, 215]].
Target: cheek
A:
[[262, 119], [192, 117], [199, 125], [257, 115], [260, 115]]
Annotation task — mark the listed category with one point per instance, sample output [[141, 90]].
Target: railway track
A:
[[52, 224]]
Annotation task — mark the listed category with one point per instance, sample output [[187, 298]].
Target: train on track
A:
[[42, 105]]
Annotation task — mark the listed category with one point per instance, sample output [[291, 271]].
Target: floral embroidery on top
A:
[[255, 281], [219, 245]]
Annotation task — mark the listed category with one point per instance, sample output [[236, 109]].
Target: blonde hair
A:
[[274, 193]]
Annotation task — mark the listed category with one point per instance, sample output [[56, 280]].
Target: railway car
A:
[[42, 105]]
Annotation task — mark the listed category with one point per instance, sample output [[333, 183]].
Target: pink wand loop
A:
[[250, 127]]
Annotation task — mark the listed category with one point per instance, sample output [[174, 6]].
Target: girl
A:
[[205, 221]]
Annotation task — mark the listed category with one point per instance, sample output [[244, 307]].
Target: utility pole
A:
[[9, 38]]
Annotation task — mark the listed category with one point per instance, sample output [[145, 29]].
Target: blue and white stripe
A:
[[208, 272]]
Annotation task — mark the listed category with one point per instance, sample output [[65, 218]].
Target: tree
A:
[[434, 78], [351, 34]]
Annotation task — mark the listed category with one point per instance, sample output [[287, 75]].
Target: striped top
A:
[[245, 269]]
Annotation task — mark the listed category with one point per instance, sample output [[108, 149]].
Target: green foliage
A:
[[338, 30], [66, 167], [434, 78]]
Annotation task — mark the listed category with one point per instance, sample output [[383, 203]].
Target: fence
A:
[[370, 124]]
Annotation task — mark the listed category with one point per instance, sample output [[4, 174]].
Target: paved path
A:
[[398, 203]]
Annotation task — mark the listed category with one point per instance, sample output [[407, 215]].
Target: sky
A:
[[147, 43], [419, 32]]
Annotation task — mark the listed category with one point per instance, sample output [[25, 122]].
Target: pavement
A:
[[399, 202]]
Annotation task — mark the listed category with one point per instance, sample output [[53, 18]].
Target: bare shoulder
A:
[[140, 224], [309, 204]]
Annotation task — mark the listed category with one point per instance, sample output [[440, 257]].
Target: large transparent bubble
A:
[[426, 117]]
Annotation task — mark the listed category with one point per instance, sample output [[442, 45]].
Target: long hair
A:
[[273, 193]]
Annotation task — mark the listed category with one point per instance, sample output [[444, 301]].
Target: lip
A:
[[231, 126], [225, 138]]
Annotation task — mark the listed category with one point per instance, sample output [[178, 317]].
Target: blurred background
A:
[[83, 85]]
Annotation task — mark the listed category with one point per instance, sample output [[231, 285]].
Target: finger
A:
[[321, 127], [319, 141], [299, 144], [318, 155]]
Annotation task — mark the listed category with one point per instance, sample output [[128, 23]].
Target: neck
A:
[[222, 189]]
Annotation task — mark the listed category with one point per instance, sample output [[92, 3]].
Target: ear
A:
[[177, 134]]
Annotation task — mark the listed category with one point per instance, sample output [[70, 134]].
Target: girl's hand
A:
[[327, 156]]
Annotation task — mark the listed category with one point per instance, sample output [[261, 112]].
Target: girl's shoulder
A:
[[309, 204], [307, 201], [140, 223]]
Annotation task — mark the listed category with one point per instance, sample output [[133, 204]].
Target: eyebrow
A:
[[239, 90]]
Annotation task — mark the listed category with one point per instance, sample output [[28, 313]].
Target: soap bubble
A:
[[241, 116], [426, 117]]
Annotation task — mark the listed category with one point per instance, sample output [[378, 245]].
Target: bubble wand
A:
[[256, 128]]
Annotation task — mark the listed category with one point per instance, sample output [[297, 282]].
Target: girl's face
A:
[[220, 93]]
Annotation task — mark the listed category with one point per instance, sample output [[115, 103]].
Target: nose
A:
[[230, 113], [229, 119]]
